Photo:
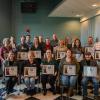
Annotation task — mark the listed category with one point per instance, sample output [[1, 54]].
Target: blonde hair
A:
[[6, 40]]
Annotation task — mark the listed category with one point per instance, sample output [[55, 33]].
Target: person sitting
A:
[[68, 80], [10, 80], [88, 61], [30, 80], [51, 78]]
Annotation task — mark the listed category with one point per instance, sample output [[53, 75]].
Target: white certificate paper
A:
[[90, 71], [69, 70], [30, 71], [11, 71]]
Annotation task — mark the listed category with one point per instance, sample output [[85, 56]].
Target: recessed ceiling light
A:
[[94, 5], [78, 15]]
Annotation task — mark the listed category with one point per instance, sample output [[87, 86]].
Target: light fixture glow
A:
[[78, 15], [94, 5]]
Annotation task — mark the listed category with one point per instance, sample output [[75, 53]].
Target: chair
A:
[[62, 97]]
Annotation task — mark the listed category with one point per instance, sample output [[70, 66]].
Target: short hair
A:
[[23, 36], [28, 35], [90, 37]]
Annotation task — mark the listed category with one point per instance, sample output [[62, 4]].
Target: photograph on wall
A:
[[69, 70]]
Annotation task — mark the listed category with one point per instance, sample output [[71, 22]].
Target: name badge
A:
[[48, 69], [37, 54], [90, 71], [30, 71], [22, 56], [11, 71], [69, 70]]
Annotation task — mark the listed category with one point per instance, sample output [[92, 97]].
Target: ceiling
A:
[[74, 8]]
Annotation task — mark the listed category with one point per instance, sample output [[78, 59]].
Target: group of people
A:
[[49, 51]]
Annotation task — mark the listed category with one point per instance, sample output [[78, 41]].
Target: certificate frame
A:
[[30, 71], [97, 54], [78, 56], [37, 54], [69, 70], [48, 69], [90, 71], [22, 55], [11, 71], [61, 54], [89, 49]]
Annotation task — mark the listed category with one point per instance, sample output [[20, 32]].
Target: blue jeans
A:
[[85, 83], [69, 81], [29, 82]]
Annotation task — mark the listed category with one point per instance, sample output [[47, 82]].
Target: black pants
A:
[[48, 79], [10, 84]]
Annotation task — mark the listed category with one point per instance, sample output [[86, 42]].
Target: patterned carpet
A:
[[20, 95]]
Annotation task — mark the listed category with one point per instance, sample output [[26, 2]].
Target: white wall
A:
[[97, 27], [90, 27]]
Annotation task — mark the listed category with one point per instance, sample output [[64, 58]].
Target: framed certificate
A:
[[79, 57], [69, 70], [11, 71], [37, 54], [61, 55], [89, 49], [90, 71], [48, 69], [22, 56], [55, 49], [30, 71], [97, 55]]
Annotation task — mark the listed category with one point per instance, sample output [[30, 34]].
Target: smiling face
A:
[[77, 43], [30, 55], [88, 57], [90, 40], [47, 41], [54, 37], [69, 53], [28, 37], [11, 56], [22, 39], [36, 40], [48, 54]]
